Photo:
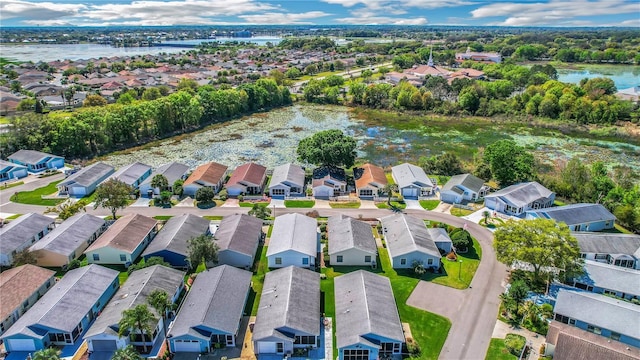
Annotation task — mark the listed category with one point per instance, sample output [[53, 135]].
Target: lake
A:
[[52, 52], [624, 76], [272, 138]]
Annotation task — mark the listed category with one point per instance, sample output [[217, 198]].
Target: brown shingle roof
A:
[[250, 172], [211, 173], [370, 173], [125, 234], [17, 284], [574, 343]]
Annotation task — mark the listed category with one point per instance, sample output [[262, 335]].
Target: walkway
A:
[[501, 330]]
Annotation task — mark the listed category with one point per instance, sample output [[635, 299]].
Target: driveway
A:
[[234, 203], [322, 204], [413, 204], [277, 203], [368, 204]]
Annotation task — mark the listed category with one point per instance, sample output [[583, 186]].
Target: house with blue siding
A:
[[36, 161], [84, 182], [238, 237], [294, 241], [602, 315], [103, 336], [65, 312], [212, 311], [609, 279], [21, 233], [615, 249], [123, 242], [579, 217], [171, 241], [367, 322], [11, 171], [171, 171], [567, 342], [516, 200], [463, 187], [287, 180], [133, 174]]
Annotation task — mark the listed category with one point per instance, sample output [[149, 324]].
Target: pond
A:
[[624, 76], [272, 138]]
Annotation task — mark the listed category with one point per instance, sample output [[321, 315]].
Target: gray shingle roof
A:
[[405, 234], [134, 292], [126, 234], [239, 233], [20, 230], [602, 311], [287, 173], [294, 232], [348, 233], [216, 301], [66, 303], [576, 213], [365, 306], [68, 236], [603, 243], [30, 156], [88, 175], [467, 180], [611, 277], [131, 173], [4, 164], [176, 232], [290, 299], [172, 171], [407, 174], [522, 194]]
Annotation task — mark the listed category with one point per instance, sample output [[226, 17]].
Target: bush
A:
[[313, 214], [74, 264], [413, 348], [223, 195], [205, 195], [240, 197], [514, 343]]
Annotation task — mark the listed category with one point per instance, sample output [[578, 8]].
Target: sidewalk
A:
[[502, 329]]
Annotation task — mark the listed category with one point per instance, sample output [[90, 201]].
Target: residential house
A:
[[289, 312], [68, 241], [328, 181], [132, 174], [103, 335], [287, 180], [367, 322], [36, 161], [294, 241], [238, 237], [212, 311], [123, 242], [11, 171], [370, 180], [85, 181], [412, 181], [602, 315], [609, 279], [478, 56], [247, 179], [172, 172], [20, 288], [615, 249], [517, 199], [62, 315], [566, 342], [21, 233], [631, 94], [351, 242], [172, 240], [579, 217], [209, 175], [409, 242], [463, 187]]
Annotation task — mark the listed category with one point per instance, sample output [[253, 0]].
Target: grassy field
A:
[[458, 275], [460, 212], [34, 197], [13, 184], [345, 205], [498, 351], [299, 203], [213, 217], [250, 204], [399, 205], [429, 204], [257, 280], [163, 217]]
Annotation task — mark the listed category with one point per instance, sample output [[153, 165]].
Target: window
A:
[[601, 256], [403, 261], [305, 261], [304, 340], [366, 192], [615, 336], [278, 261], [279, 348], [96, 257], [356, 354], [594, 329], [277, 191], [339, 258], [123, 257], [367, 258], [429, 261]]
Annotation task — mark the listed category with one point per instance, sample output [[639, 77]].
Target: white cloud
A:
[[383, 20], [554, 12], [422, 4], [37, 11], [284, 18]]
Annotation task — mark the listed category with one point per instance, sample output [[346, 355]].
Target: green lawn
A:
[[345, 205], [399, 205], [498, 351], [389, 178], [429, 204], [257, 280], [14, 216], [299, 203], [458, 275], [250, 204], [163, 217], [213, 217], [34, 197], [13, 184], [4, 120], [460, 212]]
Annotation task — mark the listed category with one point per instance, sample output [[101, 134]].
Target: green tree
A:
[[205, 195], [328, 148], [151, 94], [518, 293], [46, 354], [541, 243], [94, 100], [113, 194], [469, 99], [188, 85], [261, 212], [509, 163], [159, 181], [161, 302], [461, 239], [27, 104], [356, 90], [389, 189], [138, 320], [24, 257], [67, 209], [293, 73], [151, 261], [201, 249], [126, 353], [177, 187]]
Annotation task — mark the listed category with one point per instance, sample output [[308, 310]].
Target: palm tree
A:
[[160, 301], [126, 353], [389, 189], [486, 214], [261, 212], [139, 319], [46, 354]]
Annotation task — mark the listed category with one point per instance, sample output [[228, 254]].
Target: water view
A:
[[624, 76]]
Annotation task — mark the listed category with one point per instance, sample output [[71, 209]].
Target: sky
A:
[[320, 12]]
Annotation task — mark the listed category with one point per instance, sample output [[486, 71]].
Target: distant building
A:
[[36, 161], [85, 181], [133, 174], [11, 171], [247, 179], [615, 249], [631, 94], [478, 56], [409, 241], [370, 180], [210, 175]]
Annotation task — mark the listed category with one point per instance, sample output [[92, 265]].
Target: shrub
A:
[[205, 195], [240, 197], [223, 195], [514, 343], [74, 264], [313, 214], [413, 348], [323, 227]]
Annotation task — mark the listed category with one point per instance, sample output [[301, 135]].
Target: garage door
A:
[[186, 346], [104, 345], [322, 192], [410, 192], [21, 345], [267, 347]]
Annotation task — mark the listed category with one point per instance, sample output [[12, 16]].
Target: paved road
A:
[[472, 325], [30, 183]]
